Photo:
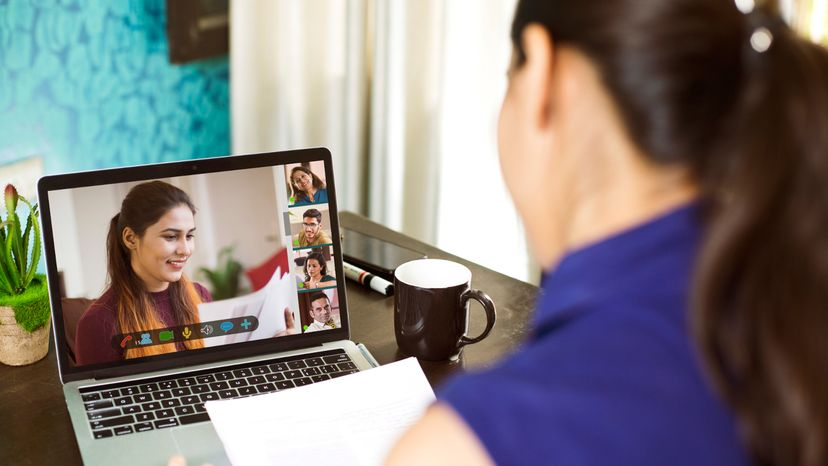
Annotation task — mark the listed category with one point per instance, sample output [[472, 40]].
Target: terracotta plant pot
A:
[[17, 346]]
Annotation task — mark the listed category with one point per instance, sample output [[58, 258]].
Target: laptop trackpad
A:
[[200, 444]]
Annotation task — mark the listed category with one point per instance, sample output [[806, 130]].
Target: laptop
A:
[[240, 306]]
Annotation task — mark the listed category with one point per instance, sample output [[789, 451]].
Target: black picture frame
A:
[[197, 29]]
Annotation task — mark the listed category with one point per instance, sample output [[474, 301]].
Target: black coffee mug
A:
[[431, 309]]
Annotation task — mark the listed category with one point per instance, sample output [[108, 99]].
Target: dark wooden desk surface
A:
[[34, 422]]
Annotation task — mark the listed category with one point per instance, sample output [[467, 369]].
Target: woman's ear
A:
[[129, 238], [536, 75]]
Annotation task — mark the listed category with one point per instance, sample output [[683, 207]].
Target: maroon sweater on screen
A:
[[99, 323]]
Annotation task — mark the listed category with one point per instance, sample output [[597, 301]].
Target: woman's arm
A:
[[323, 282], [327, 280], [440, 437]]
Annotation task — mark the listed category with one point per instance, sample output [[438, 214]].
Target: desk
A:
[[34, 423]]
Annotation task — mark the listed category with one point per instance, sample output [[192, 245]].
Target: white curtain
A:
[[404, 93], [298, 73]]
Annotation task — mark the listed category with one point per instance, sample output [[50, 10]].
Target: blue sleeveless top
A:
[[610, 375]]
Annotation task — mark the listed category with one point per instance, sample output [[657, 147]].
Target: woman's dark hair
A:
[[752, 128], [298, 194], [320, 259], [143, 206]]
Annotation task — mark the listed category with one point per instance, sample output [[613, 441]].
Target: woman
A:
[[316, 272], [148, 245], [307, 187], [669, 161]]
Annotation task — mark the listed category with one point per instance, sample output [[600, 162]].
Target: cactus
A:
[[18, 263]]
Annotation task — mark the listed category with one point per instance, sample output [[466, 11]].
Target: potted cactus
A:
[[24, 296]]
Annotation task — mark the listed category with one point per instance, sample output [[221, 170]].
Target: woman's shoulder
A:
[[101, 313], [105, 304], [612, 371], [203, 292], [300, 200], [96, 327]]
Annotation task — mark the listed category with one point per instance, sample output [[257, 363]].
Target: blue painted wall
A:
[[87, 84]]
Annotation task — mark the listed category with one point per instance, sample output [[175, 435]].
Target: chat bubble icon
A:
[[226, 326], [165, 335]]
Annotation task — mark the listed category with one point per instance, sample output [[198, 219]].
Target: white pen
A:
[[370, 280]]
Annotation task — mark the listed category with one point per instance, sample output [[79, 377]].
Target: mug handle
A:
[[488, 306]]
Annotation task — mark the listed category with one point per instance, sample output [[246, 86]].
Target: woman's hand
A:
[[290, 324], [179, 460]]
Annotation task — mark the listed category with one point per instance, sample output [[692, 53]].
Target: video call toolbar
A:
[[182, 333]]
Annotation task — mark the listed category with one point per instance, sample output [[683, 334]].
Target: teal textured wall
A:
[[87, 84]]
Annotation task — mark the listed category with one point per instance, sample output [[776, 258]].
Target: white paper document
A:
[[267, 305], [352, 420]]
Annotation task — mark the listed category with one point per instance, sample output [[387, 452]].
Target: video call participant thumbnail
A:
[[312, 233], [148, 245], [316, 271], [307, 187], [320, 312]]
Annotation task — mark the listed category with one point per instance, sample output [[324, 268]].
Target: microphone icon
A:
[[186, 332]]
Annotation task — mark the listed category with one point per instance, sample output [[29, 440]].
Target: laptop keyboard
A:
[[168, 401]]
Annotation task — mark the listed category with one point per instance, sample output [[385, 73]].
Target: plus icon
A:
[[246, 324]]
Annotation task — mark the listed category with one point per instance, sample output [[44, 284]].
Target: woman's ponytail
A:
[[117, 256], [761, 289]]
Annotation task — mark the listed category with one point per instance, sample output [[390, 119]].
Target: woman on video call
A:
[[148, 245], [306, 187], [669, 161], [316, 271]]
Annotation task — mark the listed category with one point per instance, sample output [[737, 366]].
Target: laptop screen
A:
[[166, 261]]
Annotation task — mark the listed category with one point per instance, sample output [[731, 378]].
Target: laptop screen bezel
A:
[[49, 183]]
